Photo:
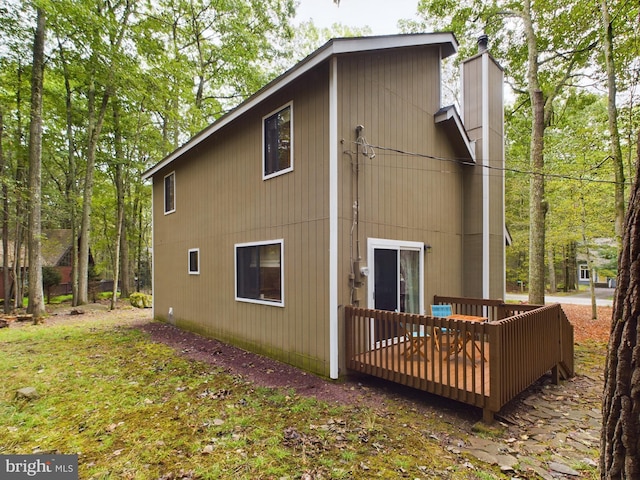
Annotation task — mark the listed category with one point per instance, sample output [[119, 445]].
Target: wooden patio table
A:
[[461, 343]]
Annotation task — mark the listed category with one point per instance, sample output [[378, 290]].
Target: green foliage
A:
[[50, 277], [139, 59], [140, 300], [308, 38], [578, 175], [60, 299]]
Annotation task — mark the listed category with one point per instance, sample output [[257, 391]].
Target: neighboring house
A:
[[604, 260], [343, 181], [57, 251], [56, 248]]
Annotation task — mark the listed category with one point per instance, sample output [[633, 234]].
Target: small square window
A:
[[194, 261], [277, 144], [170, 193], [259, 272]]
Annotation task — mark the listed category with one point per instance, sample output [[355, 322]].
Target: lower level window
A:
[[194, 261], [259, 272]]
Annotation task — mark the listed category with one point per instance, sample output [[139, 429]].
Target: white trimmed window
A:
[[170, 193], [584, 272], [194, 261], [259, 272], [277, 142]]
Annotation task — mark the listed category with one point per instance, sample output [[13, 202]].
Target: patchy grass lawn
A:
[[133, 409]]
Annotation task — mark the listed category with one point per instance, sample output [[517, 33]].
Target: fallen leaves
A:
[[585, 328]]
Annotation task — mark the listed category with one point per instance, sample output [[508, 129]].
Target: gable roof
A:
[[54, 245], [450, 121], [337, 46]]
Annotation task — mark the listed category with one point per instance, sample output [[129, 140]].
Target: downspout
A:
[[333, 218]]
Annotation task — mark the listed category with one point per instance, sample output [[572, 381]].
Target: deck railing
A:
[[481, 364]]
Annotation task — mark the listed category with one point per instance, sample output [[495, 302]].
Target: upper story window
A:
[[277, 142], [194, 261], [170, 193], [259, 272]]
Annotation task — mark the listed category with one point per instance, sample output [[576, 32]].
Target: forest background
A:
[[92, 93]]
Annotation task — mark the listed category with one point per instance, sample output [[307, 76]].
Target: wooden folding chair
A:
[[414, 341]]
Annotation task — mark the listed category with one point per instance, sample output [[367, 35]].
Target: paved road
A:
[[604, 297]]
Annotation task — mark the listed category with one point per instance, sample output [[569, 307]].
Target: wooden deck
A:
[[484, 364], [447, 370]]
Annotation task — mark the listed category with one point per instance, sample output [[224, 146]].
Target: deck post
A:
[[555, 374], [488, 416], [493, 403]]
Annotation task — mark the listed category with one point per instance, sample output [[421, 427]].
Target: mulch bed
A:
[[264, 371]]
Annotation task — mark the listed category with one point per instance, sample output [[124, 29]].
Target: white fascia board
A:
[[332, 47]]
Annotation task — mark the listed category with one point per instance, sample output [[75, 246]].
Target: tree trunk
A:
[[95, 126], [592, 291], [95, 123], [565, 267], [139, 248], [620, 437], [20, 185], [572, 265], [537, 203], [586, 243], [71, 187], [121, 188], [551, 265], [17, 262], [614, 134], [36, 294], [125, 261], [119, 184], [116, 261], [4, 201]]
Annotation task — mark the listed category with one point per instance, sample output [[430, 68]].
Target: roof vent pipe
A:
[[483, 42]]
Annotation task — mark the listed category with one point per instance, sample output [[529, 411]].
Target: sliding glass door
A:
[[396, 276]]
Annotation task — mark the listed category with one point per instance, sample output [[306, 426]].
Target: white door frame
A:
[[372, 244]]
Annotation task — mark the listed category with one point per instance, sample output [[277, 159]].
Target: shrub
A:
[[140, 300]]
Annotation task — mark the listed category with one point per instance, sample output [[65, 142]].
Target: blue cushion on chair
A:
[[441, 310]]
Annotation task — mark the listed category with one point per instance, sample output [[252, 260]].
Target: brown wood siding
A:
[[472, 97], [395, 95], [496, 156], [473, 216], [221, 200]]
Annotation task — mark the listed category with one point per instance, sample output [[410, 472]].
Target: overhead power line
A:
[[370, 152]]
